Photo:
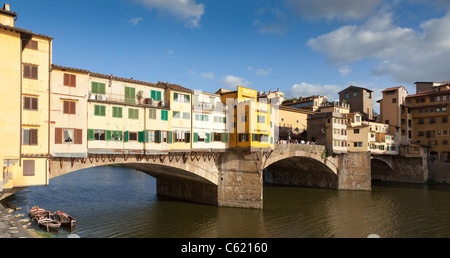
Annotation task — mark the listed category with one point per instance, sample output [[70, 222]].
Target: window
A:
[[219, 119], [117, 112], [133, 113], [133, 136], [98, 88], [368, 95], [156, 95], [99, 135], [261, 119], [176, 114], [99, 110], [244, 118], [181, 136], [32, 44], [432, 120], [444, 120], [355, 131], [243, 137], [357, 118], [116, 136], [186, 115], [184, 98], [152, 113], [354, 94], [386, 122], [30, 103], [69, 107], [394, 100], [164, 115], [347, 96], [420, 133], [200, 117], [420, 121], [130, 95], [68, 136], [28, 168], [30, 71], [70, 80], [29, 136], [431, 99]]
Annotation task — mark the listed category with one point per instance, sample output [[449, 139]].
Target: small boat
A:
[[64, 218], [49, 223], [36, 213]]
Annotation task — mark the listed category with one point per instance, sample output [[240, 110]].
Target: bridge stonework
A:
[[234, 178], [395, 168]]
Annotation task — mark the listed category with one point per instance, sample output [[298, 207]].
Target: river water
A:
[[116, 202]]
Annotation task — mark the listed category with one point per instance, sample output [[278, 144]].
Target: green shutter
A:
[[195, 137], [146, 138], [175, 96], [108, 135], [207, 138], [94, 87], [158, 95], [103, 110], [96, 110], [164, 115], [126, 136], [101, 88], [90, 134], [169, 137], [141, 136], [225, 137]]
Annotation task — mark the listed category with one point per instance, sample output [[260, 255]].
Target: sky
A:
[[301, 47]]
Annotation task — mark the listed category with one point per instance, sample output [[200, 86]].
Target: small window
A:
[[164, 115], [356, 131], [98, 88], [99, 110], [133, 113], [152, 113], [30, 103], [28, 167], [70, 80], [29, 136], [68, 135], [69, 107], [117, 112], [261, 119], [99, 135], [133, 136], [30, 72]]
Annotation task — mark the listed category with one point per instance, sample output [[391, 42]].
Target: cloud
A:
[[306, 89], [135, 21], [405, 54], [232, 81], [344, 70], [208, 75], [260, 71], [333, 9], [187, 10]]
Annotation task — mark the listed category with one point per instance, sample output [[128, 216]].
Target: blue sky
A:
[[302, 47]]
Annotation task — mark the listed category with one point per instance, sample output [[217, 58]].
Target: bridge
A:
[[234, 178]]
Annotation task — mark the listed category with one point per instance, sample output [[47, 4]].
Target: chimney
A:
[[6, 7]]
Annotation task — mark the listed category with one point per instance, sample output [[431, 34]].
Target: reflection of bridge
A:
[[234, 178]]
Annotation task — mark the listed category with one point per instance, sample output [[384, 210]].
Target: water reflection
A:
[[121, 202]]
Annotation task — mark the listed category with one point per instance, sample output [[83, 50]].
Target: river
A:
[[116, 202]]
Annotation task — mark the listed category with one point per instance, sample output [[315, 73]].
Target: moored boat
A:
[[49, 223], [64, 218], [36, 213]]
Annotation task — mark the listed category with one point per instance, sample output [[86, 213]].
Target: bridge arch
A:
[[381, 168]]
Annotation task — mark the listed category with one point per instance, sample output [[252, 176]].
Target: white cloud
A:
[[261, 71], [306, 89], [232, 81], [186, 10], [135, 21], [344, 70], [405, 54], [208, 75], [333, 9]]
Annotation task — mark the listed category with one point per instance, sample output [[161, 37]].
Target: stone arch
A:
[[301, 171], [381, 169]]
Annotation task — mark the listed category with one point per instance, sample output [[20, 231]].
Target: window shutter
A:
[[66, 108], [141, 136], [207, 138], [225, 137], [26, 71], [175, 96], [66, 79], [34, 72], [158, 95], [126, 136], [73, 80], [58, 135], [146, 138], [90, 134], [103, 110], [33, 137], [153, 94], [158, 136], [34, 103], [26, 103], [169, 137], [28, 167], [72, 105], [96, 110], [94, 87], [195, 137], [108, 135], [78, 136]]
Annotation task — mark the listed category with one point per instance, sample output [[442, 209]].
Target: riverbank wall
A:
[[10, 227], [439, 171]]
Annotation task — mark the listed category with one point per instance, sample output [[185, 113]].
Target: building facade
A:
[[359, 99]]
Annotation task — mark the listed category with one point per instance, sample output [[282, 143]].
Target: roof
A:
[[2, 10], [394, 88], [19, 30], [64, 68], [351, 86], [428, 93], [298, 110]]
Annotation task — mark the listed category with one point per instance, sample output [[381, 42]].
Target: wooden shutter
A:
[[170, 137], [26, 71], [33, 137], [26, 102], [34, 72], [108, 135], [126, 136], [141, 137], [78, 136], [34, 103], [28, 167], [66, 107], [66, 79], [58, 135], [225, 137], [73, 80], [158, 136]]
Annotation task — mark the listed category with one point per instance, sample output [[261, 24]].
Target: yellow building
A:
[[25, 63], [248, 121], [292, 123]]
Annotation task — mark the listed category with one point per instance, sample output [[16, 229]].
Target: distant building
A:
[[359, 99], [390, 105], [274, 97], [329, 129], [312, 103]]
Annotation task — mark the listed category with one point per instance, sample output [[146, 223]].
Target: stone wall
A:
[[354, 171], [439, 171]]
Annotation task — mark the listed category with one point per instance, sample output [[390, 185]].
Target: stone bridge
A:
[[234, 178], [396, 168]]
